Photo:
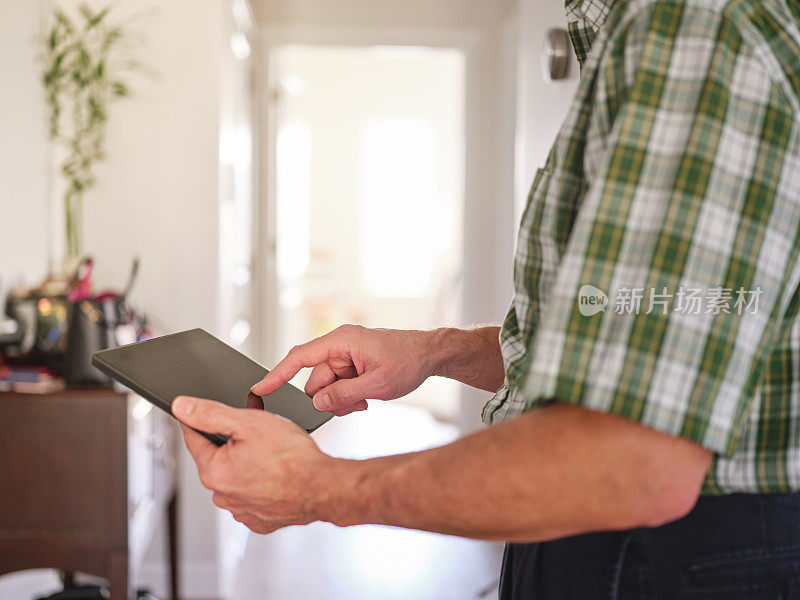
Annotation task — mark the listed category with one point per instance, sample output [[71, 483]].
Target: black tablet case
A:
[[195, 363]]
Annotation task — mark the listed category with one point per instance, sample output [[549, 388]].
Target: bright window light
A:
[[294, 84], [240, 47], [242, 15], [294, 200], [401, 207]]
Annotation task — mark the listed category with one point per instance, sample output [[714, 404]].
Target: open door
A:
[[369, 193]]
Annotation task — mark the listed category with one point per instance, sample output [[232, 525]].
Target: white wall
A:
[[157, 192], [541, 105], [24, 188], [439, 14], [23, 147], [156, 196], [489, 227]]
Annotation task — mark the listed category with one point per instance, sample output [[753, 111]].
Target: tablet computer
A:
[[195, 363]]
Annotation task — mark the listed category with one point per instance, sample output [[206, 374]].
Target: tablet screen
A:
[[195, 363]]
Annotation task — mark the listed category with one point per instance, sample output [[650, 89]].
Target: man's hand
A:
[[352, 364], [266, 474], [556, 471]]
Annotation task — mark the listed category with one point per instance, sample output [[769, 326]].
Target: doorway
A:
[[368, 195]]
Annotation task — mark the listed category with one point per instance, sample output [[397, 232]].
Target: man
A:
[[646, 431]]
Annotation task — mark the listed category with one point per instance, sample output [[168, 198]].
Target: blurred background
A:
[[281, 167]]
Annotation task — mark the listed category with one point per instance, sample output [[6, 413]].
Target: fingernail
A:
[[182, 406], [323, 403]]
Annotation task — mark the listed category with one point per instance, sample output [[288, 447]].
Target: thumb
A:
[[344, 392], [207, 416]]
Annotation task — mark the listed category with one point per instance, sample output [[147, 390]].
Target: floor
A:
[[323, 562]]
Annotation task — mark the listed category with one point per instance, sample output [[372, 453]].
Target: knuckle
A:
[[211, 479], [221, 484], [337, 402], [255, 525], [348, 328], [207, 479], [346, 396], [382, 387]]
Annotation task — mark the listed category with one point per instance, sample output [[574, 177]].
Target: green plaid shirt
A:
[[657, 266]]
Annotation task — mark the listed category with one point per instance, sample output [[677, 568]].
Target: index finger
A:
[[309, 354]]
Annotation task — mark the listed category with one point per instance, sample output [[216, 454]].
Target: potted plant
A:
[[86, 62]]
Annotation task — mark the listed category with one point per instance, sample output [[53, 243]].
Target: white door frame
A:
[[488, 173]]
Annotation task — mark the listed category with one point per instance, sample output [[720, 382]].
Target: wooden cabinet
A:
[[86, 476]]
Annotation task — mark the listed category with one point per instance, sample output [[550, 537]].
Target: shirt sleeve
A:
[[681, 265]]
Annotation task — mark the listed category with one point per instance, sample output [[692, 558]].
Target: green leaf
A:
[[63, 22], [97, 18], [83, 66], [111, 37], [120, 90], [59, 60], [97, 112]]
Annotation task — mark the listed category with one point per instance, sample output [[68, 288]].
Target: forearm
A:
[[554, 472], [471, 356]]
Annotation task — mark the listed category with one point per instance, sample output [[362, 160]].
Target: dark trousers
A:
[[737, 547]]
